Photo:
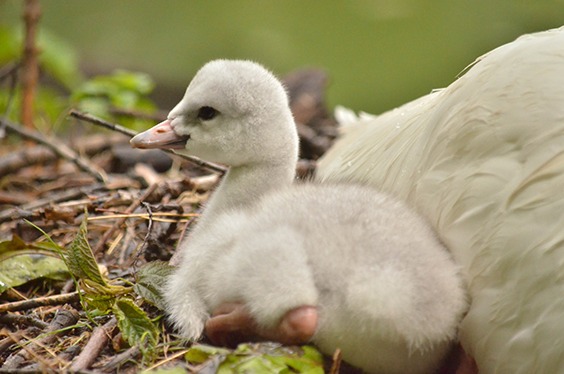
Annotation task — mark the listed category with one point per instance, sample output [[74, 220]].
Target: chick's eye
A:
[[206, 113]]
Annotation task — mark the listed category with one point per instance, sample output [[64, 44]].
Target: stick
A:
[[12, 319], [40, 154], [120, 359], [40, 301], [32, 13], [21, 211], [98, 340], [112, 126], [64, 317], [337, 357], [120, 221], [59, 148]]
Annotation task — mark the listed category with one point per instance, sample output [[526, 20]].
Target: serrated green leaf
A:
[[136, 327], [80, 260], [151, 279]]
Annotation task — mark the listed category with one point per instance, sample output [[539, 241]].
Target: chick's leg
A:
[[231, 324]]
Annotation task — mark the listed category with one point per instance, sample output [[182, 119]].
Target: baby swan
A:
[[341, 265]]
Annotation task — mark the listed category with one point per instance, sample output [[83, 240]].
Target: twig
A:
[[98, 340], [40, 301], [130, 209], [59, 148], [14, 161], [64, 317], [120, 359], [30, 64], [337, 358], [149, 230], [12, 319], [112, 126], [100, 122], [20, 212]]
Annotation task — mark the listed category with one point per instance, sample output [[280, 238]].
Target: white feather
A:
[[483, 160]]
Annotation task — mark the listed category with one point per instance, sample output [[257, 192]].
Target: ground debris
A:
[[139, 204]]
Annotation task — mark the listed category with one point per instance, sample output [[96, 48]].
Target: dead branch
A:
[[64, 317], [337, 358], [65, 195], [59, 148], [12, 319], [14, 161], [30, 64], [98, 340], [112, 126], [119, 222], [40, 301], [120, 359]]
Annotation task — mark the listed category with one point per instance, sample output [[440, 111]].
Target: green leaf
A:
[[82, 265], [12, 245], [123, 90], [136, 327], [259, 358], [80, 260], [199, 353], [10, 44], [21, 263], [173, 370], [151, 279], [58, 58]]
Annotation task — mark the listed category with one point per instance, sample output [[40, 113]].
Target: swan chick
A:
[[365, 271]]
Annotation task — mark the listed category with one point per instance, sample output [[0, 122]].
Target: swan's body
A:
[[386, 292], [483, 160]]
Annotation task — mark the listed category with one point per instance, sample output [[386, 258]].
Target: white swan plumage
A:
[[483, 160], [386, 290]]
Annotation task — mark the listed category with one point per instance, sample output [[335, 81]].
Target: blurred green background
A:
[[379, 54]]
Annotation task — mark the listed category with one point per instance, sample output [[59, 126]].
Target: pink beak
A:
[[160, 136]]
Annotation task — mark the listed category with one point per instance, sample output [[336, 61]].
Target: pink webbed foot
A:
[[459, 362], [232, 324]]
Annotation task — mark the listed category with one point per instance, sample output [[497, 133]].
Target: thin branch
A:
[[12, 319], [59, 148], [30, 64], [147, 235], [14, 161], [337, 358], [120, 359], [40, 301], [120, 221], [114, 127], [98, 340], [65, 195], [66, 316]]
